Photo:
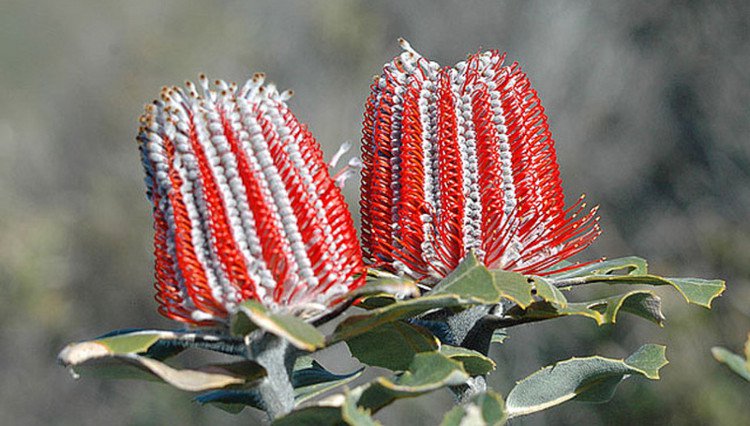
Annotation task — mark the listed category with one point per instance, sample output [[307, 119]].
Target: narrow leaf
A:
[[209, 377], [232, 401], [86, 359], [310, 379], [156, 344]]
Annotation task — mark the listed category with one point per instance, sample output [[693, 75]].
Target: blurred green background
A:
[[647, 100]]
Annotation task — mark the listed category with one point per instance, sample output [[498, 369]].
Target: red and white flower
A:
[[244, 206], [458, 159]]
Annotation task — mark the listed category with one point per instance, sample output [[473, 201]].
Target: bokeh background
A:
[[647, 100]]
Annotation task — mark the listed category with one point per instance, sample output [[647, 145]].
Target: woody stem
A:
[[277, 356]]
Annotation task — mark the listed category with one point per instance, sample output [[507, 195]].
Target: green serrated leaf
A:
[[428, 371], [358, 324], [337, 410], [354, 415], [642, 303], [299, 333], [162, 344], [312, 416], [454, 417], [648, 359], [735, 362], [136, 342], [241, 325], [99, 356], [549, 293], [86, 359], [375, 301], [602, 391], [231, 401], [695, 290], [631, 265], [470, 280], [158, 344], [383, 288], [392, 345], [311, 380], [499, 336], [698, 291], [513, 286], [474, 362], [591, 379], [402, 287], [485, 409]]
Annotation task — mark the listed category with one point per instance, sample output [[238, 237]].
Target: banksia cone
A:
[[459, 159], [244, 206]]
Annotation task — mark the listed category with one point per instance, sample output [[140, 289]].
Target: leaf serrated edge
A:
[[567, 397]]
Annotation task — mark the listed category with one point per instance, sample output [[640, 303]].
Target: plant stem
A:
[[474, 386], [277, 356], [472, 329]]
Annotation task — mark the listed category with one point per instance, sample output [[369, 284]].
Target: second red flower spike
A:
[[458, 159]]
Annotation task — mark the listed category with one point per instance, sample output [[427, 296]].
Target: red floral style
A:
[[244, 206], [459, 159]]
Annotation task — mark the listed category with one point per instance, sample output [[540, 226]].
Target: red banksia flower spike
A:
[[458, 159], [244, 206]]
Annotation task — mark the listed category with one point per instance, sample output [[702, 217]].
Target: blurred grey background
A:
[[647, 100]]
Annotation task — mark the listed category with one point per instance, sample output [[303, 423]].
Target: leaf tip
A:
[[77, 353]]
